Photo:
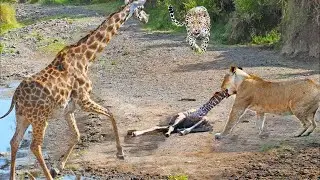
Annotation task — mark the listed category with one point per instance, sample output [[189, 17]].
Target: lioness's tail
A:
[[173, 19], [11, 107]]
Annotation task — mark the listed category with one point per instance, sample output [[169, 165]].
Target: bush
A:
[[254, 18], [160, 19], [271, 38], [7, 17]]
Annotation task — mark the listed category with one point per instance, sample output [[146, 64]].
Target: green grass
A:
[[268, 147], [1, 47], [159, 20], [178, 177], [7, 18], [53, 47], [271, 38], [107, 7]]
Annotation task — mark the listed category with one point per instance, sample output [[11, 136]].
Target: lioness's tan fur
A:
[[297, 97]]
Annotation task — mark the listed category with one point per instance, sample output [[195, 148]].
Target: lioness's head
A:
[[233, 79]]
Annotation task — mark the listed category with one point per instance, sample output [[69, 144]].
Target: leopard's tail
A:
[[173, 19]]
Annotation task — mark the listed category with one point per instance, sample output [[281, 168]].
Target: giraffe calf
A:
[[194, 120]]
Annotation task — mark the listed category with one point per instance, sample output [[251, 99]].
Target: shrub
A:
[[271, 38], [254, 18], [7, 17]]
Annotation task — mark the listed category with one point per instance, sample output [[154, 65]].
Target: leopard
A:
[[198, 24]]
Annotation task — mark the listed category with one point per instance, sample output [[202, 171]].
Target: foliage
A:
[[178, 177], [233, 21], [104, 7], [8, 1], [1, 47], [254, 18], [77, 2], [7, 17], [270, 38], [159, 19]]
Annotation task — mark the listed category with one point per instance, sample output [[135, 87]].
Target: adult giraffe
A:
[[64, 83]]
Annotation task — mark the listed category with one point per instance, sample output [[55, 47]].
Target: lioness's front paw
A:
[[218, 136]]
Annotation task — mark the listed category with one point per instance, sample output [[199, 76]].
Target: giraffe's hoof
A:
[[120, 156], [54, 172], [167, 135]]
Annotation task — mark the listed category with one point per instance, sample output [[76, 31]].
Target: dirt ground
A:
[[142, 76]]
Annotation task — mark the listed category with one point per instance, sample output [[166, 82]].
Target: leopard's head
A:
[[198, 21]]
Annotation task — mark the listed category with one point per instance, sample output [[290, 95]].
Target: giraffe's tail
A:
[[11, 107], [173, 19]]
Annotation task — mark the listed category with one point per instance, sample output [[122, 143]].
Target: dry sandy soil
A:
[[142, 76]]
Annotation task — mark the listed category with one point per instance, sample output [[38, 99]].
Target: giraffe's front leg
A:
[[90, 106], [188, 130], [177, 121], [69, 117], [135, 133]]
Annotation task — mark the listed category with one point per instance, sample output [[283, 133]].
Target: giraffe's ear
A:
[[240, 68]]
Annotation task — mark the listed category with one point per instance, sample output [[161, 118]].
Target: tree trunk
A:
[[301, 28]]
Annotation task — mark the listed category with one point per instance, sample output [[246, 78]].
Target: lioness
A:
[[295, 97]]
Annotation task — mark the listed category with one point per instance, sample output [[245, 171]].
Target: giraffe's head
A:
[[233, 79], [136, 9]]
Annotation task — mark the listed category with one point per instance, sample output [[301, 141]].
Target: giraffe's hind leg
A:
[[38, 131], [75, 138], [69, 117], [89, 105], [22, 125]]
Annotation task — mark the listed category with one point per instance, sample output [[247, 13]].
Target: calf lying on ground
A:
[[194, 120]]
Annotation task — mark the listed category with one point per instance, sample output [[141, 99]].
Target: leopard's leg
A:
[[204, 43], [178, 120], [188, 130], [191, 40]]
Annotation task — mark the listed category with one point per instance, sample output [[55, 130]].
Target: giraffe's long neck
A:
[[214, 100], [85, 50], [97, 40]]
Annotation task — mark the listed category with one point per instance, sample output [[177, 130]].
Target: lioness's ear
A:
[[233, 69]]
